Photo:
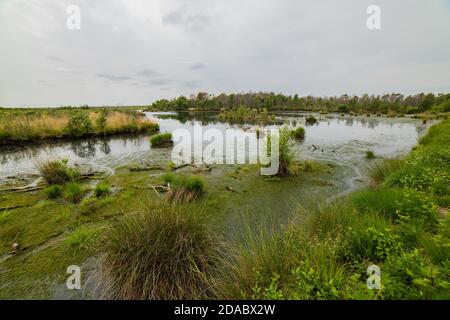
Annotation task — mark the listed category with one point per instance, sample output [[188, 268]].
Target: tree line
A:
[[388, 103]]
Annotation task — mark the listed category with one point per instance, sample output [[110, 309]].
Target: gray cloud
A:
[[195, 22], [197, 66], [148, 73], [112, 77], [54, 58], [160, 81]]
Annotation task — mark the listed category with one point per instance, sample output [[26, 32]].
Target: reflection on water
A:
[[338, 139]]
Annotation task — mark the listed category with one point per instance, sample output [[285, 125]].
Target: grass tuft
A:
[[161, 140], [164, 251], [57, 172]]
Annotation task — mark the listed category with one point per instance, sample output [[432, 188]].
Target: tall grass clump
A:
[[370, 154], [54, 191], [285, 151], [184, 188], [101, 190], [298, 133], [161, 140], [379, 170], [74, 192], [57, 172], [164, 251]]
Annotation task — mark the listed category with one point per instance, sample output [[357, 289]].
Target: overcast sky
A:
[[137, 51]]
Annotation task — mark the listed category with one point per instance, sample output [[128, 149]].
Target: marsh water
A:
[[341, 140]]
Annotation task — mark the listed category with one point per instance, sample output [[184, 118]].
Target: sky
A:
[[133, 52]]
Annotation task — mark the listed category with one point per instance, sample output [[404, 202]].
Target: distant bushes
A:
[[162, 252], [243, 114]]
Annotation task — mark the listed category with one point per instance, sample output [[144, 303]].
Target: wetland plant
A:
[[74, 192], [298, 133], [54, 191], [310, 120], [286, 153], [57, 172], [164, 251], [370, 154], [101, 190], [161, 140], [184, 188], [383, 168], [80, 125]]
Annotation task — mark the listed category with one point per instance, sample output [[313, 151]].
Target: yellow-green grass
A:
[[29, 125]]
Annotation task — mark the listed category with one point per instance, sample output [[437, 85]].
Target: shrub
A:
[[53, 191], [298, 133], [162, 252], [79, 125], [417, 208], [411, 276], [161, 140], [74, 192], [101, 122], [57, 172], [101, 190]]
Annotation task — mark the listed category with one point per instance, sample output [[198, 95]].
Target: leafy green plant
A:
[[79, 125]]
